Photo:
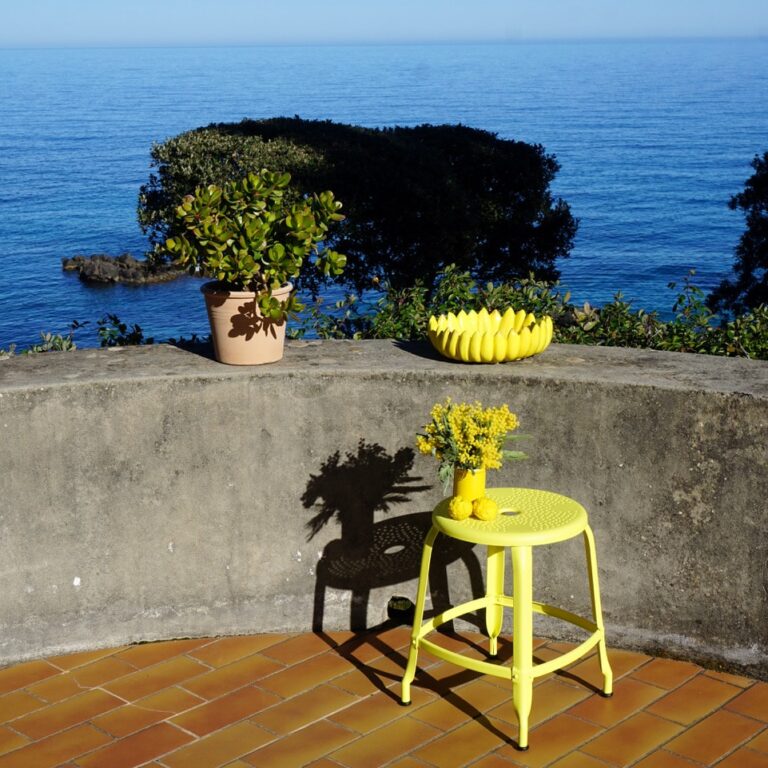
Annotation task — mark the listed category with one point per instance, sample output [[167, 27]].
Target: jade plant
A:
[[250, 236]]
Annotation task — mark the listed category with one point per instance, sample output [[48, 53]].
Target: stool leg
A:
[[494, 613], [597, 611], [522, 660], [418, 617]]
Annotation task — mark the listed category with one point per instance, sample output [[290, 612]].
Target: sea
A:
[[653, 138]]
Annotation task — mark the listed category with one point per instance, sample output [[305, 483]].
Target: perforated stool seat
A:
[[527, 518]]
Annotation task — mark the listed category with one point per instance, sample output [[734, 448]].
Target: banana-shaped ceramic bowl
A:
[[490, 337]]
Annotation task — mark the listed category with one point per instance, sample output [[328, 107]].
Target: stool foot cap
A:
[[605, 695], [521, 749], [405, 703]]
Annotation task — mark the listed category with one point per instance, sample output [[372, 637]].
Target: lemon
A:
[[459, 508], [485, 508]]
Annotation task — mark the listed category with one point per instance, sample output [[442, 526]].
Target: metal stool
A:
[[527, 518]]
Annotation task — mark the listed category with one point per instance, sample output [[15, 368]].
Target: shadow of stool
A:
[[390, 557]]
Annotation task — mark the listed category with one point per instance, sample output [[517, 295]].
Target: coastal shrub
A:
[[616, 324], [344, 319], [749, 289], [49, 342], [113, 332], [403, 314], [210, 156], [417, 199], [52, 342]]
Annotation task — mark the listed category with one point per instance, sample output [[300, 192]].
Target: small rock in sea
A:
[[125, 268]]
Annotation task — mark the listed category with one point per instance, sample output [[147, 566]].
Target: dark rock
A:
[[101, 268], [73, 264]]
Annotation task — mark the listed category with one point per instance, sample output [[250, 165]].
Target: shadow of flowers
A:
[[351, 489]]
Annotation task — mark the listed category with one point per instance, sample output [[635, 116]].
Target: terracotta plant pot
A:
[[241, 334], [469, 483]]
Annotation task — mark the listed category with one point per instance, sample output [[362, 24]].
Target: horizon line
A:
[[388, 43]]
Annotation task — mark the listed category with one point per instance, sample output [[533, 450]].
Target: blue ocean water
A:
[[653, 138]]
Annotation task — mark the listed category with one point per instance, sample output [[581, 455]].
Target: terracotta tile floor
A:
[[332, 700]]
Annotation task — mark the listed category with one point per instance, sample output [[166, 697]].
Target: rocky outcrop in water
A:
[[100, 268]]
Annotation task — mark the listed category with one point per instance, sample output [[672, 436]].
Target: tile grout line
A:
[[664, 692], [604, 729], [89, 722], [743, 744], [357, 735], [386, 681], [685, 727], [249, 718]]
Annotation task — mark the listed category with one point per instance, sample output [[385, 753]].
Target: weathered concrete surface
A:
[[152, 493]]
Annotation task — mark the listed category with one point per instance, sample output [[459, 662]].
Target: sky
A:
[[76, 23]]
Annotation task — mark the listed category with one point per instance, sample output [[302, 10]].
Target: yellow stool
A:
[[527, 518]]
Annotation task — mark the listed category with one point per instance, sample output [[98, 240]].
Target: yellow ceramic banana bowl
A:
[[490, 337]]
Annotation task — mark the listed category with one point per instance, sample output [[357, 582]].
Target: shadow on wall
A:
[[369, 555]]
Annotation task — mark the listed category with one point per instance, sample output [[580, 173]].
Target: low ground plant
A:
[[113, 332], [49, 342], [403, 314]]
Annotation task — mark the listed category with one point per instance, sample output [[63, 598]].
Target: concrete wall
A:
[[153, 493]]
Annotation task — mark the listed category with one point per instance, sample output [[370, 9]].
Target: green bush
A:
[[113, 332], [416, 199], [49, 342], [208, 156], [404, 313], [749, 287]]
